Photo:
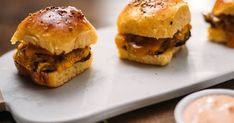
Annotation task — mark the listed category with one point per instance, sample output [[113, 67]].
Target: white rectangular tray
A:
[[113, 86]]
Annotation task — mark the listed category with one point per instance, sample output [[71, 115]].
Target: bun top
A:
[[225, 7], [56, 29], [154, 18]]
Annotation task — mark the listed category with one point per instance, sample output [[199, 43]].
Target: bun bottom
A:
[[55, 79], [217, 35], [160, 60]]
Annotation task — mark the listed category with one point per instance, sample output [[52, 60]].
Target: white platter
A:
[[112, 86]]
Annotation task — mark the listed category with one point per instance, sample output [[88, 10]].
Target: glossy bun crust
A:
[[225, 7], [56, 29], [154, 18]]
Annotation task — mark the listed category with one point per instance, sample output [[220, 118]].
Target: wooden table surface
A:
[[12, 11]]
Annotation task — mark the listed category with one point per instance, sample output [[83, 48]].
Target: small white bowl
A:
[[179, 110]]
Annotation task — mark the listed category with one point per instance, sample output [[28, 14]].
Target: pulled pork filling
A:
[[225, 22], [39, 60], [141, 46]]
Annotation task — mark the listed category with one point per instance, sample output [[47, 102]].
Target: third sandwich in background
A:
[[221, 20]]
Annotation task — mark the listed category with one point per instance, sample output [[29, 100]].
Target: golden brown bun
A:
[[55, 79], [225, 7], [217, 35], [56, 29], [154, 18], [161, 60]]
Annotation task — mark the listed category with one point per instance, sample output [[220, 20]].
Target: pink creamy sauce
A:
[[228, 1], [210, 109]]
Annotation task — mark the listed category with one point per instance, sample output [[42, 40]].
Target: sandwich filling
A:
[[141, 46], [223, 22], [37, 59]]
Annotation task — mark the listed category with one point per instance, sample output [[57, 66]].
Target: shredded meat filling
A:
[[225, 22], [140, 46], [39, 60]]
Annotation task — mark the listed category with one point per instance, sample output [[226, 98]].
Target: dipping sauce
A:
[[210, 109]]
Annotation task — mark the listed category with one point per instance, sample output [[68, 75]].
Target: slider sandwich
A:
[[152, 31], [221, 19], [54, 45]]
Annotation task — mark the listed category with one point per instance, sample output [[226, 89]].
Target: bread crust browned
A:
[[154, 18], [217, 35], [56, 29], [223, 7]]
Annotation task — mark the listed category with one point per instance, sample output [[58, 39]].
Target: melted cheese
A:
[[145, 48], [150, 47], [70, 59], [27, 58]]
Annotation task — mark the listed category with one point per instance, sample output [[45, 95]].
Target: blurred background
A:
[[100, 13]]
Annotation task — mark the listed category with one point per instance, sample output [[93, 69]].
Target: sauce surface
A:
[[210, 109], [228, 1]]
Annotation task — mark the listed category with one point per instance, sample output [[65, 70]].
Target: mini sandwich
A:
[[54, 45], [152, 31], [221, 20]]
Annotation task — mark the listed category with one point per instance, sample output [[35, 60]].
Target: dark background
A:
[[13, 11]]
